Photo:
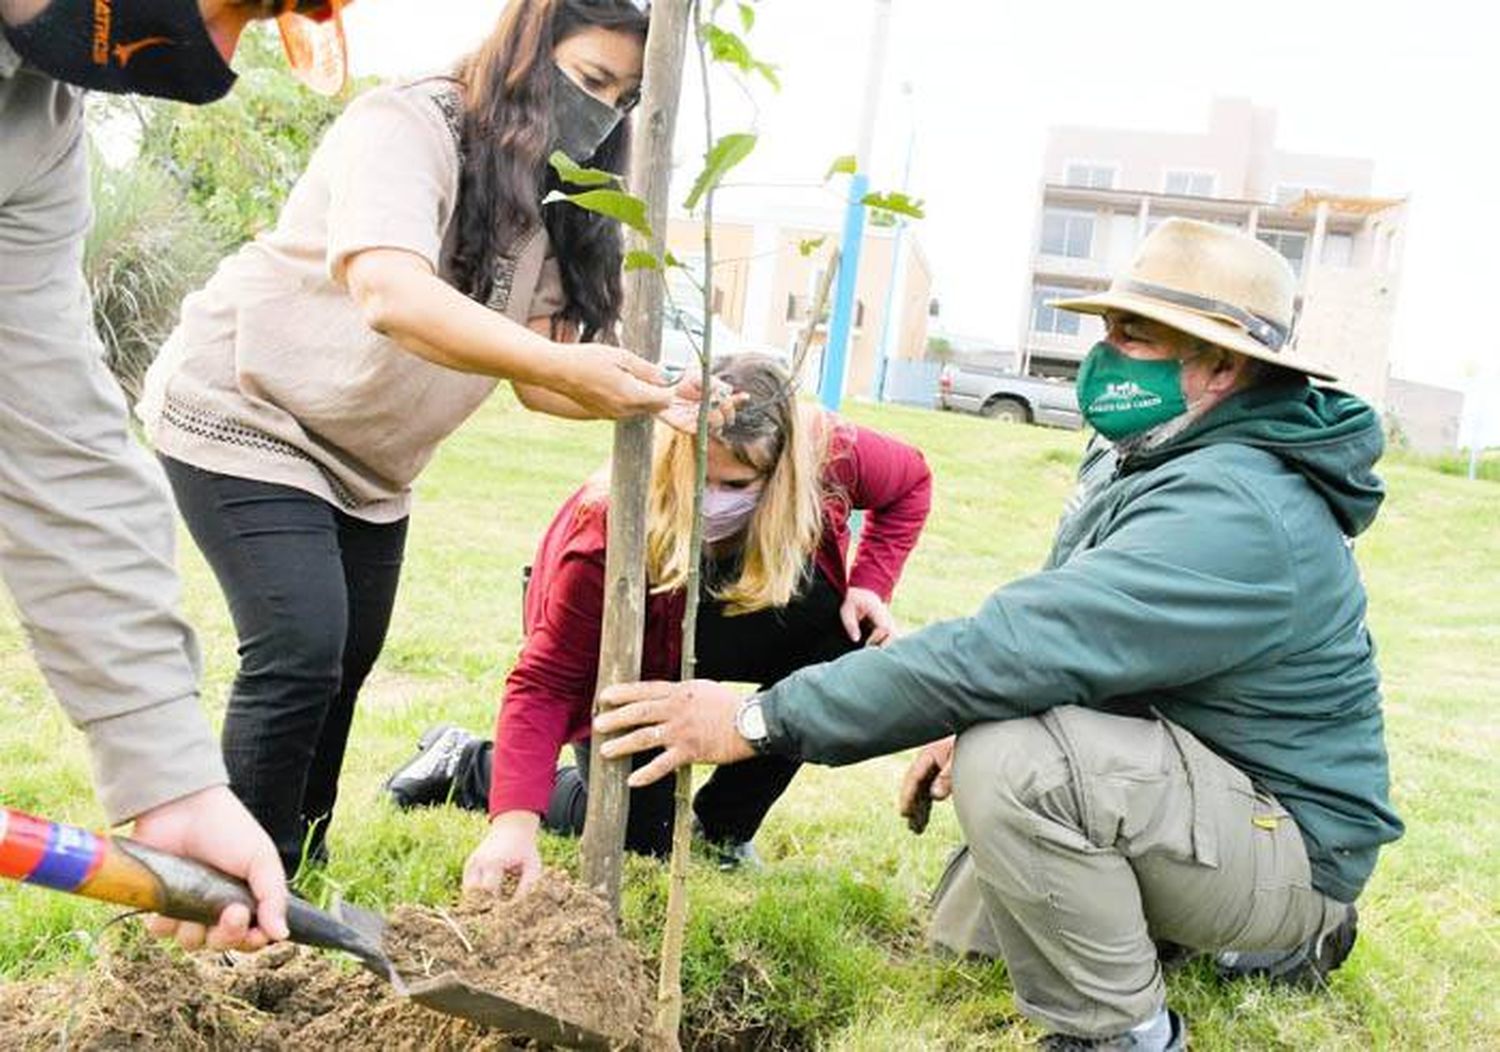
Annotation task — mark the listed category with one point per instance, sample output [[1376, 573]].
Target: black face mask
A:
[[146, 47], [580, 122]]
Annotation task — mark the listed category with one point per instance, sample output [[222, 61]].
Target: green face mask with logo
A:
[[1122, 396]]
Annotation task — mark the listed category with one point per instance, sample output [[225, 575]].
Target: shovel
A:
[[121, 871]]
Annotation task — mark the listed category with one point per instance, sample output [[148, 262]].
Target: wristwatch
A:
[[750, 722]]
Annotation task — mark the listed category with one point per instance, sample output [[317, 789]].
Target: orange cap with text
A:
[[315, 46]]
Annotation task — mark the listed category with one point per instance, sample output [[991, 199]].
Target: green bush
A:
[[145, 252], [205, 180], [237, 159]]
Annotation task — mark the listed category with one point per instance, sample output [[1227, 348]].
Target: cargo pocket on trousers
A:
[[1280, 853], [1208, 776]]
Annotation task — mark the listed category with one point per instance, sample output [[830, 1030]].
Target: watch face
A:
[[751, 722]]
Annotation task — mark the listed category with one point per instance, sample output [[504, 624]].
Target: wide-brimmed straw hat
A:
[[1213, 283]]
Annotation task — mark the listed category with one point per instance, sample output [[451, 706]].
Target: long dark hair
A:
[[507, 134]]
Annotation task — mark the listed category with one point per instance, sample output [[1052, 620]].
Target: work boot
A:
[[737, 854], [1167, 1034], [1307, 966], [427, 778], [729, 854], [1174, 956]]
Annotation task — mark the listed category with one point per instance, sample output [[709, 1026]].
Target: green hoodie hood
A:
[[1331, 438]]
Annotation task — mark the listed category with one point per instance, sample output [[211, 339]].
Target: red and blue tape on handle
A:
[[51, 854], [127, 873]]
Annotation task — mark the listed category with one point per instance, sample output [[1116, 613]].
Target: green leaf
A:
[[726, 46], [844, 165], [730, 48], [673, 261], [570, 171], [747, 17], [726, 153], [807, 246], [897, 202], [616, 204], [640, 259]]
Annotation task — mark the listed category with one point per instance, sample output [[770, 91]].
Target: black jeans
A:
[[762, 648], [310, 590]]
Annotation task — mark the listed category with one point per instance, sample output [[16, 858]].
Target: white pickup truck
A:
[[1009, 396]]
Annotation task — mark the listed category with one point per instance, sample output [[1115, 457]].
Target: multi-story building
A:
[[765, 286], [1105, 189]]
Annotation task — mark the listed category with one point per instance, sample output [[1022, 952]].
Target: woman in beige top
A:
[[312, 379]]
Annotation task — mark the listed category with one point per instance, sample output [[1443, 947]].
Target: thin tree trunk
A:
[[674, 928], [603, 844]]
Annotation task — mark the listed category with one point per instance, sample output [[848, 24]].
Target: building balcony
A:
[[1058, 345], [1076, 268]]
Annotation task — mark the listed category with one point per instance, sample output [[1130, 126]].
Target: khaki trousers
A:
[[1090, 837], [86, 526]]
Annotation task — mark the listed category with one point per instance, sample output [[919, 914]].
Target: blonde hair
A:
[[783, 439]]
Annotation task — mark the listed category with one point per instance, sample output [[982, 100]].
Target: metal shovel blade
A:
[[449, 994]]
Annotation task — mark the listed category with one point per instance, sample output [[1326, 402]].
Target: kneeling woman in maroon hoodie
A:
[[779, 592]]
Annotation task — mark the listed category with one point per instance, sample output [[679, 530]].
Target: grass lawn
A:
[[825, 948]]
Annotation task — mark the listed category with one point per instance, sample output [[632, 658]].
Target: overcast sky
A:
[[1414, 87]]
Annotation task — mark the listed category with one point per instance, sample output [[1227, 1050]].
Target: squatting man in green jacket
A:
[[1172, 732]]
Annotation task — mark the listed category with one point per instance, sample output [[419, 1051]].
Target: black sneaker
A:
[[1126, 1042], [1307, 966], [427, 778]]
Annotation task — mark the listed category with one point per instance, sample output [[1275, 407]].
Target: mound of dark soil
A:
[[556, 949], [146, 997]]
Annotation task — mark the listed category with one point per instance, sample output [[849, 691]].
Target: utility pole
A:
[[835, 355], [888, 314]]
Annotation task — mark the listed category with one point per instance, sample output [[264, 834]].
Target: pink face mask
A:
[[727, 511]]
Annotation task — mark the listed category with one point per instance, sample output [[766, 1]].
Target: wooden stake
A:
[[603, 847]]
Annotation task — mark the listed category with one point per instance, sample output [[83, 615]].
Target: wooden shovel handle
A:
[[113, 869], [128, 873]]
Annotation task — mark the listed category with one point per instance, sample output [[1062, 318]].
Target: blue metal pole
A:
[[836, 353]]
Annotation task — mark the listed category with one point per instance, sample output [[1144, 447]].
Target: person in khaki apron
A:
[[1172, 733], [86, 534], [311, 380]]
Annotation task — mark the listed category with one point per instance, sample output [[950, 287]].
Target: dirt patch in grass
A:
[[556, 949], [145, 997]]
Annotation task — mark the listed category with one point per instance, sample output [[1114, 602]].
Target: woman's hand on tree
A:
[[509, 847], [862, 605], [611, 382], [687, 399]]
